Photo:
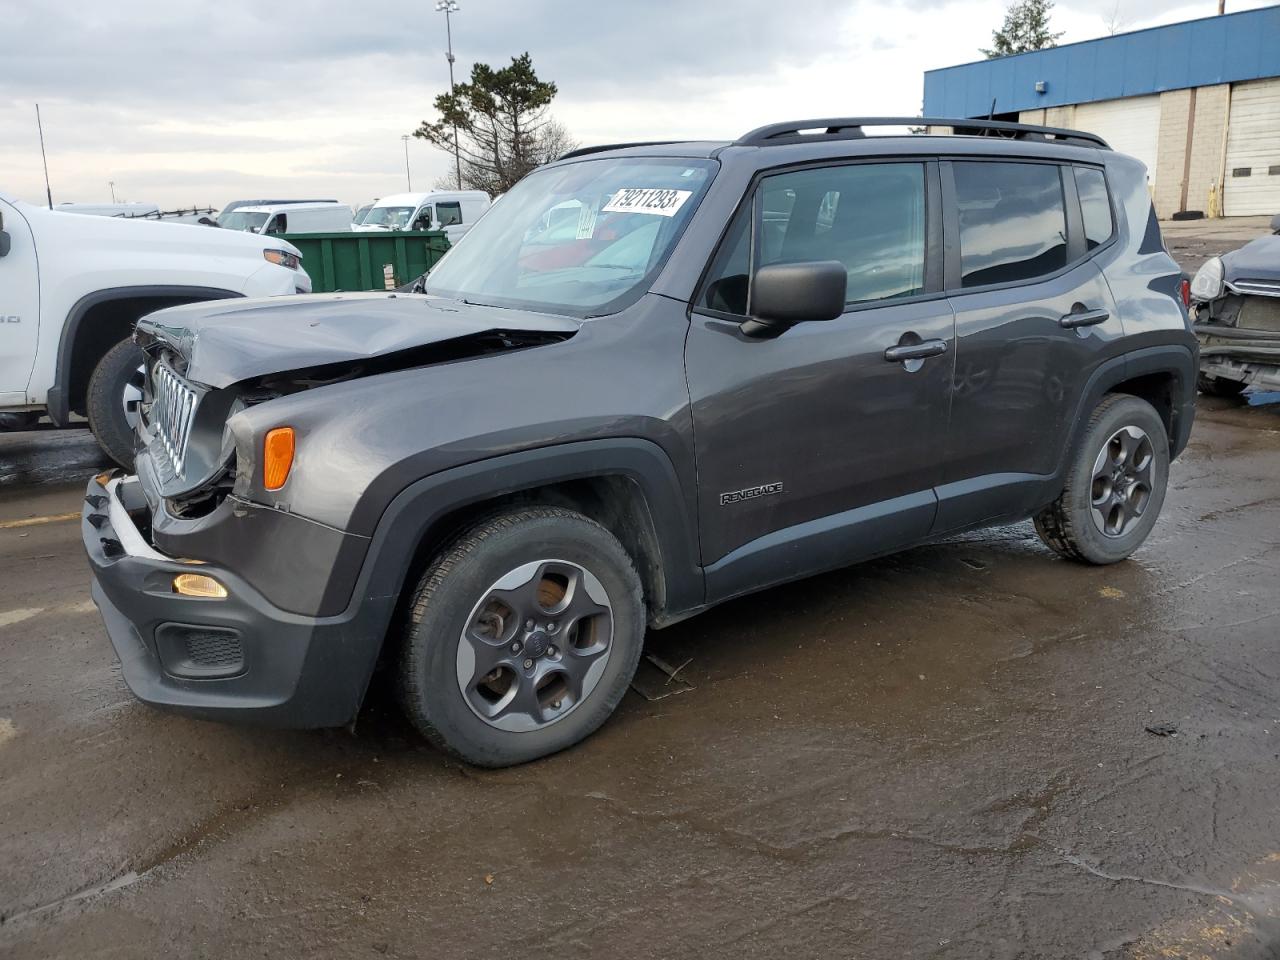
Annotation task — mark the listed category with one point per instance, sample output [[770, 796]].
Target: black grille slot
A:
[[196, 652], [214, 649]]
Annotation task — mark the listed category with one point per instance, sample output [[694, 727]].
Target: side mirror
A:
[[1275, 223], [5, 242], [784, 294]]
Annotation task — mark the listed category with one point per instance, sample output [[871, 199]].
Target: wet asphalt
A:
[[940, 754]]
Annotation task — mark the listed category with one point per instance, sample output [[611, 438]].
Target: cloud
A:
[[198, 102]]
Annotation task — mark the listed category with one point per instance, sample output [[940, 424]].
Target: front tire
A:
[[524, 635], [1115, 486], [1220, 386], [112, 398]]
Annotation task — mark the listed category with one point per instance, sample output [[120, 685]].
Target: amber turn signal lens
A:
[[277, 457], [198, 585]]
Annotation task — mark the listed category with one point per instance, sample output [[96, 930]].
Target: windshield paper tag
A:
[[662, 202]]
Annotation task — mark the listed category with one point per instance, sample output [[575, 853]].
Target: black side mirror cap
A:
[[784, 294], [5, 243]]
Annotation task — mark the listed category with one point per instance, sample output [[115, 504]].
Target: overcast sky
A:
[[200, 103]]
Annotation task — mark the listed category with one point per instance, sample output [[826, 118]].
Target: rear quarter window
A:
[[1095, 206]]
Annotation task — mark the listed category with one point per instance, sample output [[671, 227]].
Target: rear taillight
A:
[[1184, 291]]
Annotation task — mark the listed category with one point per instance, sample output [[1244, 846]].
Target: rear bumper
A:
[[240, 658]]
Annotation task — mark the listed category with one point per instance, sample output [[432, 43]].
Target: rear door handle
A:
[[1085, 318], [915, 351]]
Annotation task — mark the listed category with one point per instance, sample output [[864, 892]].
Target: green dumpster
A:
[[360, 261]]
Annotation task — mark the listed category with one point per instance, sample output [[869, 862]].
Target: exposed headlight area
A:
[[1207, 284], [283, 258]]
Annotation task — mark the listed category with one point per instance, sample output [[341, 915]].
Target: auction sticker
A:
[[654, 200]]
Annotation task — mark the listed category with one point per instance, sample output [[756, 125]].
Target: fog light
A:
[[198, 585]]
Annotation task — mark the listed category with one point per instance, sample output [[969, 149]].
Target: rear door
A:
[[814, 448], [1034, 318], [19, 308]]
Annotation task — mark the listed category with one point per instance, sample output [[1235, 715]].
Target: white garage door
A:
[[1131, 126], [1253, 150]]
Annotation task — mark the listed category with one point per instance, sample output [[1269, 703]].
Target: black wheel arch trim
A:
[[59, 398], [1177, 360], [420, 509]]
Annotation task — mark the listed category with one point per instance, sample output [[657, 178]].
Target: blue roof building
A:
[[1198, 102]]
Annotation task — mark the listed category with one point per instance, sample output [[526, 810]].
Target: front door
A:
[[19, 308], [1034, 318], [817, 447]]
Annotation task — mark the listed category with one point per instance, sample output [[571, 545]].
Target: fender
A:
[[1172, 358], [425, 505], [59, 396]]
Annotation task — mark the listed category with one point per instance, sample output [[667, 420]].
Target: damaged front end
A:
[[200, 374], [1237, 318]]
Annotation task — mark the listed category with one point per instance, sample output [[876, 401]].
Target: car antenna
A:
[[48, 193]]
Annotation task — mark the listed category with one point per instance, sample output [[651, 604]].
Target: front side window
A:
[[870, 217], [449, 213], [1013, 221], [584, 238], [1095, 206]]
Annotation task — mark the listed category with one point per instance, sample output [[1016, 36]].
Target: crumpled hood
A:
[[1256, 260], [226, 341]]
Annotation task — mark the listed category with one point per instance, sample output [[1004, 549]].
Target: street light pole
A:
[[112, 185], [448, 8], [408, 178]]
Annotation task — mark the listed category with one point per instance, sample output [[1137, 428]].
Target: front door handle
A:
[[1085, 318], [915, 351]]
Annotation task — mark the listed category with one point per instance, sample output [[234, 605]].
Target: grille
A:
[[173, 407], [1260, 313], [214, 649]]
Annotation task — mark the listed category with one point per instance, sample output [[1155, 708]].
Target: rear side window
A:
[[1013, 221], [448, 213], [1095, 206]]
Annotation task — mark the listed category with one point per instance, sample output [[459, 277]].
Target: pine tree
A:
[[1026, 27]]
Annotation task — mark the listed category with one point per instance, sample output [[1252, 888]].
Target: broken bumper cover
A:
[[230, 659]]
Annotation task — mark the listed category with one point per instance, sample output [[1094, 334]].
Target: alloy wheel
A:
[[535, 645], [1123, 478]]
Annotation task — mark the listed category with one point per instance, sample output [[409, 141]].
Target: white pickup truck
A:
[[72, 287]]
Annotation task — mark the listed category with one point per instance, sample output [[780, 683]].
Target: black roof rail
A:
[[851, 128], [600, 148]]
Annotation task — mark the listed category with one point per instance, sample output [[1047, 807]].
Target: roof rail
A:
[[600, 148], [851, 128]]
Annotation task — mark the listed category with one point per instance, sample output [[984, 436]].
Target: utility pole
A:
[[112, 185], [48, 192], [448, 8], [408, 178], [1222, 7]]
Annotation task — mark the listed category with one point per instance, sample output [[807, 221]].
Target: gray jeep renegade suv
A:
[[652, 378]]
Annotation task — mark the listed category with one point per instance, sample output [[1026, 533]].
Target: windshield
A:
[[584, 239], [362, 213], [395, 217], [243, 220]]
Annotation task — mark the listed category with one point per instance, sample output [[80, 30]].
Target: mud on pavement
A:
[[941, 754]]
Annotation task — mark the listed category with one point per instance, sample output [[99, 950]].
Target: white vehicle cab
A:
[[453, 211], [72, 287], [321, 217]]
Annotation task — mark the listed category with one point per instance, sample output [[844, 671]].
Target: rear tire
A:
[[105, 402], [1220, 386], [524, 635], [1116, 482]]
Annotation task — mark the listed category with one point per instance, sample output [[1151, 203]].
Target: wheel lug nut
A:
[[551, 651], [515, 647], [528, 664], [553, 627], [528, 624]]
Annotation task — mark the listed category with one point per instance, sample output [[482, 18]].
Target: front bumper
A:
[[238, 658]]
